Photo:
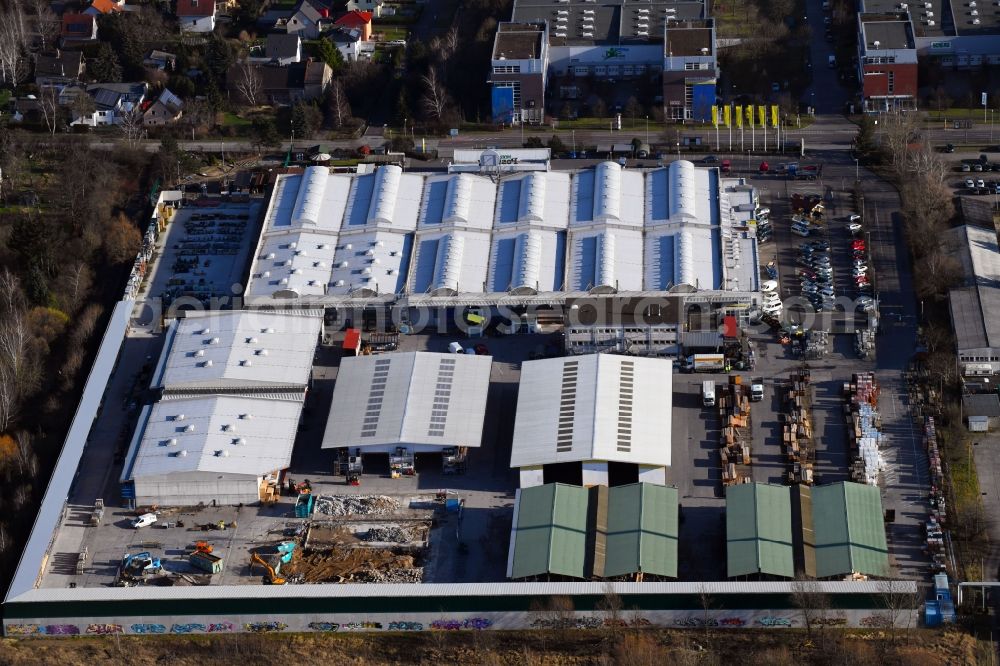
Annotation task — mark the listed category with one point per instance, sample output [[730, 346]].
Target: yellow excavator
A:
[[272, 576]]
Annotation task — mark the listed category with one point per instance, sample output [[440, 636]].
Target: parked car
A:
[[145, 520]]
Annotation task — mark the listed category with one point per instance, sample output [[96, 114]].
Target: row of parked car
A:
[[980, 186]]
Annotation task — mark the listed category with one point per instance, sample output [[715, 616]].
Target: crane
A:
[[272, 575]]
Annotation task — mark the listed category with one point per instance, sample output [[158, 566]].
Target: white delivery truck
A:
[[708, 393]]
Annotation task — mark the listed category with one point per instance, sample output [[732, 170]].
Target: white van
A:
[[145, 520], [455, 348]]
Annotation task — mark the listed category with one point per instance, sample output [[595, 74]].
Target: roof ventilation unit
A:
[[261, 352], [246, 363], [189, 427], [170, 442]]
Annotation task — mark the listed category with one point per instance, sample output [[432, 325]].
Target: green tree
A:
[[864, 141], [219, 55], [556, 144], [306, 119], [329, 54], [105, 68], [403, 113], [265, 133]]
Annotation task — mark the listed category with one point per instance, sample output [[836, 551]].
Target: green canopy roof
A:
[[595, 532], [849, 530], [551, 531], [759, 530], [641, 531]]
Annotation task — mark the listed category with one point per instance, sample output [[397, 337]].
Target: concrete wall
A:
[[531, 476], [651, 474], [181, 491], [595, 473]]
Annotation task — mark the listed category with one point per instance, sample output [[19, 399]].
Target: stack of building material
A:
[[797, 430], [938, 507], [864, 343], [735, 438], [817, 344], [864, 423]]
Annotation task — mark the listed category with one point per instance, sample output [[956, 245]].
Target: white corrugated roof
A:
[[457, 200], [540, 198], [977, 249], [449, 261], [607, 194], [605, 257], [241, 349], [526, 258], [293, 264], [386, 199], [412, 398], [314, 200], [593, 410], [220, 434], [374, 262]]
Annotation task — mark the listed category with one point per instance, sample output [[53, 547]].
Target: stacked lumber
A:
[[864, 425]]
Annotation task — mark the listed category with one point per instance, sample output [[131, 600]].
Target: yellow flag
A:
[[739, 116], [774, 115], [762, 115], [715, 116], [726, 111], [749, 109]]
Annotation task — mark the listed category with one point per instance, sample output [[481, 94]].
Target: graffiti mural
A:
[[455, 625], [774, 622], [148, 629], [696, 622], [324, 626], [360, 626], [104, 629], [220, 627], [406, 626], [264, 627], [830, 621], [567, 623], [732, 622], [62, 630], [187, 628], [25, 629], [875, 621]]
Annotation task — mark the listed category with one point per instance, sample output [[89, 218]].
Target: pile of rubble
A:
[[413, 575], [387, 534], [347, 505]]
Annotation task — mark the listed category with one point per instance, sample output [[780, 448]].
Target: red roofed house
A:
[[357, 20], [78, 28], [196, 15], [98, 7]]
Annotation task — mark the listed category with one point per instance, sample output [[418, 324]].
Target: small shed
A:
[[982, 411]]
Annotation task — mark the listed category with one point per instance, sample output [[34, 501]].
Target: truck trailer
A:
[[708, 393], [707, 362]]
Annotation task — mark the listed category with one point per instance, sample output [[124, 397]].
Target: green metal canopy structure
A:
[[849, 533], [599, 532], [759, 530]]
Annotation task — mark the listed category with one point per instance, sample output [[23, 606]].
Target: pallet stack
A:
[[797, 431], [734, 412], [864, 428], [939, 511]]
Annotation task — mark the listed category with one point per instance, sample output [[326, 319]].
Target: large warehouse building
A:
[[233, 384], [597, 419], [420, 402], [450, 240]]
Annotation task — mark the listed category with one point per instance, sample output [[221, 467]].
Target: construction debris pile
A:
[[387, 534], [797, 430], [863, 427], [365, 505], [355, 565], [734, 410], [864, 343]]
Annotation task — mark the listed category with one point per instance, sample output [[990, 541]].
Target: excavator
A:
[[272, 576]]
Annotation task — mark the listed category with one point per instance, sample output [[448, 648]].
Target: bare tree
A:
[[611, 605], [898, 131], [13, 43], [808, 598], [48, 104], [130, 126], [707, 604], [435, 98], [249, 82], [340, 108], [46, 23]]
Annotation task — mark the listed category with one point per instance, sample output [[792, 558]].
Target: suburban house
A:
[[99, 7], [196, 15], [58, 70], [356, 20], [308, 20], [278, 49], [300, 81], [167, 109], [348, 42], [161, 60], [78, 29], [374, 7], [111, 102]]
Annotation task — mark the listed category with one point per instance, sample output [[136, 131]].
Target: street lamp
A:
[[857, 170], [647, 130]]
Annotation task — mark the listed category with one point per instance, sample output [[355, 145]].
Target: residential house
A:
[[356, 20], [278, 49], [308, 20], [111, 102], [58, 70], [348, 42], [78, 29], [374, 7], [196, 15], [166, 110], [300, 81], [100, 7], [161, 60]]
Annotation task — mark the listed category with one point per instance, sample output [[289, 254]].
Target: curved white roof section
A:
[[449, 261], [605, 278], [605, 259], [458, 199], [611, 395], [383, 202], [683, 190], [309, 200], [531, 207], [607, 192], [223, 435], [528, 262], [448, 264], [240, 349]]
